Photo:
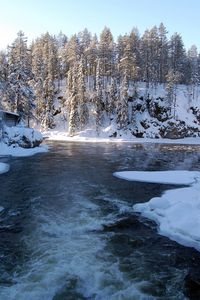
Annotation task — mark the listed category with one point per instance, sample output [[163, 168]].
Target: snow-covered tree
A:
[[3, 66], [99, 99], [106, 54], [73, 103], [149, 56], [112, 98], [19, 91], [177, 56], [127, 61], [122, 111], [45, 66], [173, 78], [61, 43], [3, 79], [73, 52], [83, 109], [162, 53], [90, 55]]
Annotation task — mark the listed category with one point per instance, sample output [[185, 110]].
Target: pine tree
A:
[[46, 69], [112, 98], [173, 78], [48, 120], [84, 38], [73, 103], [3, 67], [38, 69], [106, 55], [177, 56], [149, 56], [19, 91], [162, 53], [83, 109], [90, 55], [127, 61], [99, 99], [3, 79], [122, 113], [73, 51]]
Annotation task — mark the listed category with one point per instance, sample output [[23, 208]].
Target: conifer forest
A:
[[96, 78]]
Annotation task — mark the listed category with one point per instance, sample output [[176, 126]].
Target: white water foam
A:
[[67, 246]]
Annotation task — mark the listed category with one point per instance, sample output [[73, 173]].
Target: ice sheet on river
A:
[[4, 168], [177, 212]]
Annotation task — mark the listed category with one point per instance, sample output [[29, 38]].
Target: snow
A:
[[18, 140], [3, 169], [90, 135], [8, 112], [150, 119], [177, 212], [21, 135], [18, 151], [165, 177]]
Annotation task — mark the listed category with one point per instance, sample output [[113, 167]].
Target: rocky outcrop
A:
[[158, 109], [178, 130], [152, 118]]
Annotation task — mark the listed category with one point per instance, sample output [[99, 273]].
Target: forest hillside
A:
[[142, 86]]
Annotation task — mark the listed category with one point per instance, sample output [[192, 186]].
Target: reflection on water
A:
[[68, 230]]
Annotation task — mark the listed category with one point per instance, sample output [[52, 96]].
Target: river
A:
[[68, 231]]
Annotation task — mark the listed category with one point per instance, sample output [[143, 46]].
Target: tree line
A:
[[96, 73]]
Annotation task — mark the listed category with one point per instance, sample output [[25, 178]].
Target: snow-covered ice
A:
[[165, 177], [3, 169], [177, 212], [18, 151]]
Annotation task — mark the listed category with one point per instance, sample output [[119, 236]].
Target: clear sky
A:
[[35, 17]]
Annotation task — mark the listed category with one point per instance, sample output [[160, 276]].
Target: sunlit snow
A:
[[18, 151], [177, 212], [91, 136]]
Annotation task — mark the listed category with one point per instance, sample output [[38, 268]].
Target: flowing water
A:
[[68, 230]]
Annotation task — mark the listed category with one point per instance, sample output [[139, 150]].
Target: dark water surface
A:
[[68, 230]]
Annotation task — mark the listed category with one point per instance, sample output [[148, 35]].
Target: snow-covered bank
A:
[[90, 136], [21, 136], [3, 169], [18, 151], [177, 212], [21, 141], [149, 115]]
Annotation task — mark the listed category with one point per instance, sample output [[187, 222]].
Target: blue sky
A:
[[35, 17]]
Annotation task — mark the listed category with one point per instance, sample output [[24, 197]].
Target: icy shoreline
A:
[[21, 141], [6, 150], [176, 212], [91, 137]]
